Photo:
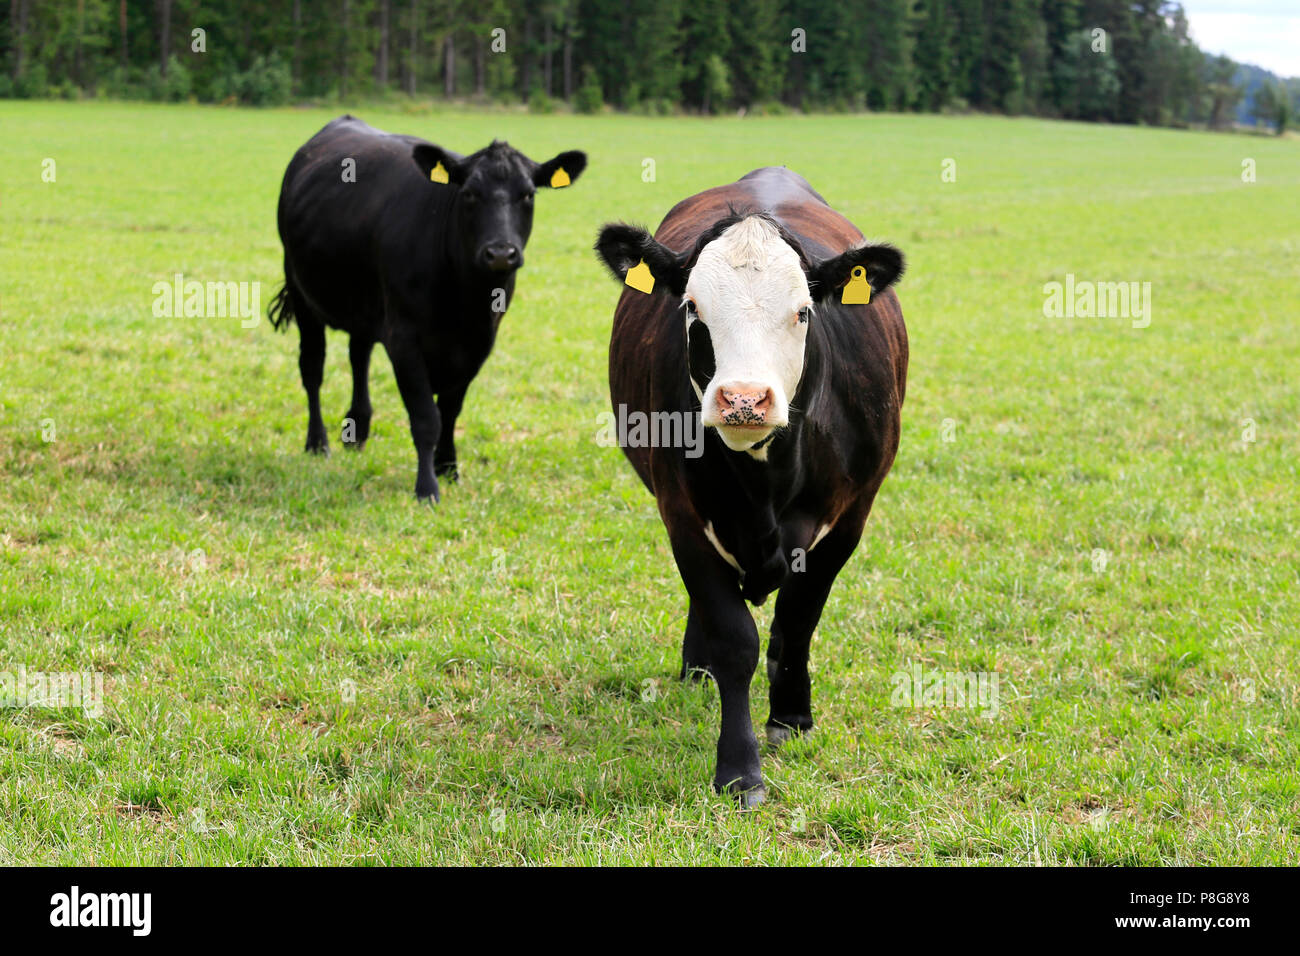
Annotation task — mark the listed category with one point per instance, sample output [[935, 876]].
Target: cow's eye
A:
[[470, 198], [527, 199], [690, 307], [805, 313]]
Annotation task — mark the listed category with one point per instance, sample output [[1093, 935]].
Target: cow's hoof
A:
[[318, 447], [747, 798], [747, 789], [355, 445], [778, 735], [448, 471], [426, 489], [779, 731]]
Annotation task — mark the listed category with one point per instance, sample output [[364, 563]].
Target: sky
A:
[[1263, 32]]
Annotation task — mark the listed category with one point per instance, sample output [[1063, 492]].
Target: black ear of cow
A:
[[883, 262], [622, 246], [573, 163], [427, 157]]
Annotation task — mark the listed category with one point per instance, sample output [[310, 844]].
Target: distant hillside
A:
[[1251, 78]]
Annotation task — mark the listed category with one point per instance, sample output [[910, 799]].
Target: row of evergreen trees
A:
[[1128, 61]]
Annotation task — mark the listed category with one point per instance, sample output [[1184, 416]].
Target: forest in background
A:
[[1103, 60]]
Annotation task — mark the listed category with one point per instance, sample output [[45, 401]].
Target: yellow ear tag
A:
[[439, 174], [560, 179], [858, 289], [640, 278]]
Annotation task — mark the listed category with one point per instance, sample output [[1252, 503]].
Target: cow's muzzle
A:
[[742, 405], [501, 257]]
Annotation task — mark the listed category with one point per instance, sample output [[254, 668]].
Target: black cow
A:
[[395, 240], [755, 319]]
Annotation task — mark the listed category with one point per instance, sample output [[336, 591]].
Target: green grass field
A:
[[513, 651]]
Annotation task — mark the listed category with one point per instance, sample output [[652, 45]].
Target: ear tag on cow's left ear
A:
[[439, 173], [858, 289], [640, 278], [560, 179]]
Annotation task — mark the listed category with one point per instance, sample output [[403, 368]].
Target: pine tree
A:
[[758, 49], [704, 37], [933, 55]]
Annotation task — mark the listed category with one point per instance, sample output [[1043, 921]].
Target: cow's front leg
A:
[[799, 607], [450, 402], [359, 349], [695, 659], [417, 395], [730, 645]]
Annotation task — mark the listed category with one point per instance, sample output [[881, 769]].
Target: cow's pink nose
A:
[[740, 403]]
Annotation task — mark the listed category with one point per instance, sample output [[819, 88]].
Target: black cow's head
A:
[[748, 292], [493, 208]]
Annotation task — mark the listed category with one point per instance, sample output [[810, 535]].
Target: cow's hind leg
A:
[[311, 365], [357, 427], [799, 607]]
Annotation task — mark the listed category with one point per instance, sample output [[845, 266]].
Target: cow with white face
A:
[[747, 308], [762, 310]]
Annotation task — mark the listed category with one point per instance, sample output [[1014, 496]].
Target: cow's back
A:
[[353, 217], [780, 192]]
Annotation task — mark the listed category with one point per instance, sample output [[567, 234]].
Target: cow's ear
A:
[[882, 266], [560, 171], [438, 165], [654, 267]]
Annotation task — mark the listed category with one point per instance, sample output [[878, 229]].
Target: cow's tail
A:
[[280, 311]]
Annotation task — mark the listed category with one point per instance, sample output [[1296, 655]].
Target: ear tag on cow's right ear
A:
[[858, 289], [439, 173], [640, 278], [560, 179]]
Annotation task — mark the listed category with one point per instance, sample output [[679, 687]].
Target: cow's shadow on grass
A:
[[619, 741], [250, 485]]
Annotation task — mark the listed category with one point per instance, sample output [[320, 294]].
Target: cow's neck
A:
[[478, 296], [455, 258]]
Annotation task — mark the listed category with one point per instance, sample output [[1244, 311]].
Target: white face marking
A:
[[748, 288]]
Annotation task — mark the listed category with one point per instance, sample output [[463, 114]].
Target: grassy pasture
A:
[[512, 651]]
